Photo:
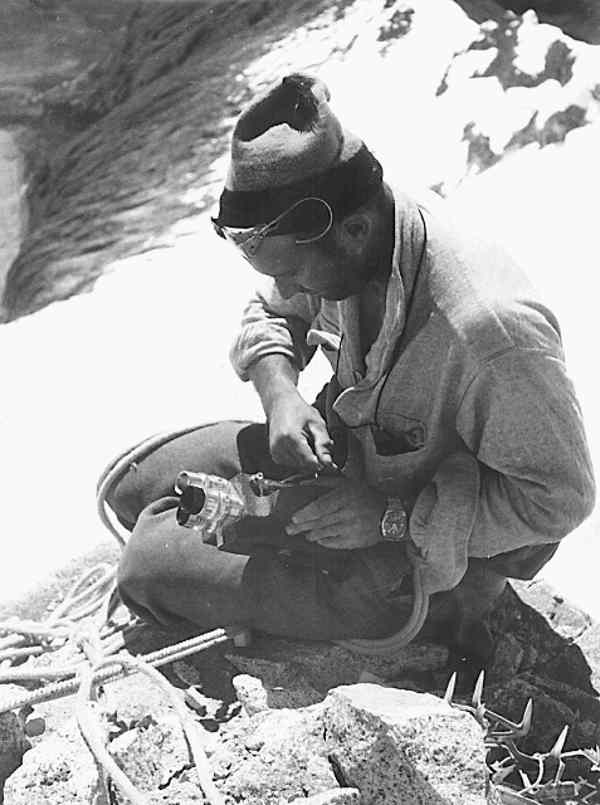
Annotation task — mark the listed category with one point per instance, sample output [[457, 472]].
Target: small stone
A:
[[255, 743], [35, 727], [251, 693]]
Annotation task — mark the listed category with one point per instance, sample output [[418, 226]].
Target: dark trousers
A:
[[265, 579]]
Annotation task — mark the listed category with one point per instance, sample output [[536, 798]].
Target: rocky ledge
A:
[[291, 721]]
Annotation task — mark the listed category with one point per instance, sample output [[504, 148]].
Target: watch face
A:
[[394, 523]]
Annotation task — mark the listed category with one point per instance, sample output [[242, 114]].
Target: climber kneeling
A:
[[449, 437]]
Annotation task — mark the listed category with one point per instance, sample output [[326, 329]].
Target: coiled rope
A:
[[102, 669], [86, 597], [68, 686], [120, 465]]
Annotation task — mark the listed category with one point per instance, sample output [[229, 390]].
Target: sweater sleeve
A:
[[525, 477], [272, 325]]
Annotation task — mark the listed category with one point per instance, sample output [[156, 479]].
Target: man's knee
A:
[[125, 500], [132, 577], [150, 559], [139, 570]]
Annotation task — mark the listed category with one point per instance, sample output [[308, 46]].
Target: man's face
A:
[[313, 268]]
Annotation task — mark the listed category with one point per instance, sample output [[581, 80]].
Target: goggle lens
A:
[[309, 219]]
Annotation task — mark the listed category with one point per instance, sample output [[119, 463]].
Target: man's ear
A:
[[355, 230]]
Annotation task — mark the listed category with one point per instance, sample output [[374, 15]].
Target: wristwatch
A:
[[394, 521]]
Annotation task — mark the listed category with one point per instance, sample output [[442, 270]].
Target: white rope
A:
[[95, 743]]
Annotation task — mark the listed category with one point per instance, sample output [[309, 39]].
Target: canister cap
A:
[[191, 502]]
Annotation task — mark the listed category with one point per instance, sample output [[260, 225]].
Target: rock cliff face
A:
[[136, 140], [140, 131]]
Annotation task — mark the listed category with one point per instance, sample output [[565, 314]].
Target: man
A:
[[449, 438]]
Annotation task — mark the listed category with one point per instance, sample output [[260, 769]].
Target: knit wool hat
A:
[[288, 145]]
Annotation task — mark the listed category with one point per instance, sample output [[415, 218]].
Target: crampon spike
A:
[[478, 692], [450, 689], [524, 725], [556, 750]]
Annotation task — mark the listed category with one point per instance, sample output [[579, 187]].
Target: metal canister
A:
[[207, 504]]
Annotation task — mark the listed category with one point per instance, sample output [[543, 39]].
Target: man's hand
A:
[[298, 435], [347, 517]]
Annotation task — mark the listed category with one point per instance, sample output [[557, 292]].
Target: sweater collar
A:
[[409, 238]]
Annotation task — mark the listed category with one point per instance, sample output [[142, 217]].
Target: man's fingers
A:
[[322, 443], [338, 519], [295, 452]]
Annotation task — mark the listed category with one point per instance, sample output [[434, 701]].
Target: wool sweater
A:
[[462, 407]]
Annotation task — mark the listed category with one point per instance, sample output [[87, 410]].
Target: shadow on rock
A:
[[539, 656]]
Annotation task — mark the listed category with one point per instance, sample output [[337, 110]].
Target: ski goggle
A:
[[309, 220]]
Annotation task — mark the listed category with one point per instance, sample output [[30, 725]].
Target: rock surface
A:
[[13, 739], [282, 720], [401, 746], [149, 137], [59, 771], [363, 743]]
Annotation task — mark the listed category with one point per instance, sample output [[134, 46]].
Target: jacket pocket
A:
[[399, 434]]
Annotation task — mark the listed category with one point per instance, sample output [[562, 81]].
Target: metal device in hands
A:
[[262, 486], [209, 503]]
